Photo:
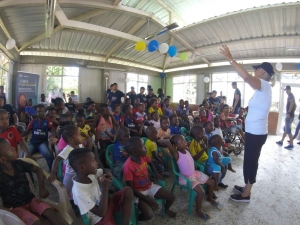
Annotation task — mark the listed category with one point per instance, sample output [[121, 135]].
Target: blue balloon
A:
[[153, 46], [172, 51], [299, 66], [162, 75]]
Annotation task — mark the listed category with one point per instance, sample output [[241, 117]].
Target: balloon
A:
[[140, 46], [278, 66], [172, 51], [163, 48], [183, 56], [299, 66], [162, 75], [206, 79], [10, 44], [153, 46]]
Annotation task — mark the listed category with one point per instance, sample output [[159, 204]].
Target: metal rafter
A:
[[117, 2], [167, 58]]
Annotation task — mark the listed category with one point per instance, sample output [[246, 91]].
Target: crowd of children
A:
[[145, 133]]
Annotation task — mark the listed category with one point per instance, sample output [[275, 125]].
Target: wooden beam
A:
[[58, 28], [117, 2], [135, 28]]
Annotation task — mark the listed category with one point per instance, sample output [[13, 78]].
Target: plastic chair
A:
[[188, 186], [202, 167], [63, 205], [109, 154], [186, 134], [118, 215], [9, 218]]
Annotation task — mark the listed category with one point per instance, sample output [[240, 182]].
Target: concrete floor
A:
[[275, 197]]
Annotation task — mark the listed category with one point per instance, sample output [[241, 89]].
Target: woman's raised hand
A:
[[224, 50]]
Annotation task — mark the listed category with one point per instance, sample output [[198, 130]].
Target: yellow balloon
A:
[[140, 46], [183, 56]]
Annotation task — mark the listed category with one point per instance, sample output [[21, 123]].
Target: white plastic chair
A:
[[9, 218], [63, 205]]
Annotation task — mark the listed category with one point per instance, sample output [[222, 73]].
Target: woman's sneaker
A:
[[239, 198], [289, 147], [239, 189], [279, 143]]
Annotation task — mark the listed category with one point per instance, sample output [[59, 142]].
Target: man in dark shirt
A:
[[132, 95], [71, 106], [13, 118], [115, 96], [236, 105], [149, 96], [290, 113], [109, 90], [142, 96], [2, 94], [214, 100]]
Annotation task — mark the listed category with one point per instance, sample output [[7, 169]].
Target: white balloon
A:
[[278, 66], [10, 44], [206, 79], [163, 48]]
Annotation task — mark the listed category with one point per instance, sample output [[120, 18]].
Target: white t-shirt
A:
[[86, 196], [218, 131], [259, 107], [65, 154], [156, 125], [74, 98], [45, 103]]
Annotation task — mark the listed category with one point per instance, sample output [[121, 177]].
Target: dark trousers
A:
[[253, 146]]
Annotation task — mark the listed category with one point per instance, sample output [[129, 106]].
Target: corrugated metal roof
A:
[[253, 33]]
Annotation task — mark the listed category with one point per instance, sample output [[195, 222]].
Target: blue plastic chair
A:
[[118, 215]]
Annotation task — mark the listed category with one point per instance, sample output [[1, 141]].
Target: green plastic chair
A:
[[59, 172], [188, 186], [109, 155], [118, 215], [186, 134], [201, 167]]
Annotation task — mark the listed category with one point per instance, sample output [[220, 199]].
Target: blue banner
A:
[[26, 88]]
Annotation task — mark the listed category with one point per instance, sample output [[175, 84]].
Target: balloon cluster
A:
[[163, 48]]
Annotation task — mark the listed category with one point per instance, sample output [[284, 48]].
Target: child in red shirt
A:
[[11, 133], [135, 172], [202, 116]]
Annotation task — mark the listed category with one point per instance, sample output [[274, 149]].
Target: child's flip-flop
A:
[[206, 216], [219, 205]]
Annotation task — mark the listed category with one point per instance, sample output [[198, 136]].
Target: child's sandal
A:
[[206, 216], [219, 206]]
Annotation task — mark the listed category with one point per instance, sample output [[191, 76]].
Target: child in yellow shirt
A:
[[198, 146], [154, 107], [84, 128]]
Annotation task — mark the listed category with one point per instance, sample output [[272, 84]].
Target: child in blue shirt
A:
[[127, 120], [29, 109], [120, 156], [40, 128], [217, 163], [116, 113], [174, 125]]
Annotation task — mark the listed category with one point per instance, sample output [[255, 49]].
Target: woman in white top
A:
[[256, 124]]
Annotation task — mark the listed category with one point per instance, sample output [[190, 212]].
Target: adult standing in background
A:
[[149, 96], [214, 100], [236, 105], [142, 96], [256, 121], [74, 97], [115, 96], [131, 95], [108, 91], [290, 114], [160, 94], [2, 94]]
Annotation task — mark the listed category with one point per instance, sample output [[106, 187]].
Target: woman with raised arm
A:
[[256, 124]]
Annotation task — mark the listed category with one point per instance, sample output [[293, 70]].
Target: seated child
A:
[[84, 129], [15, 191], [164, 130], [90, 190], [155, 120], [151, 148], [29, 109], [136, 105], [11, 133], [116, 113], [241, 120], [208, 128], [140, 119], [71, 134], [216, 161], [90, 112], [154, 107], [120, 156], [71, 106], [197, 121], [40, 128], [178, 148], [127, 120], [65, 120], [198, 146], [135, 172], [202, 116], [51, 115], [174, 125], [127, 101]]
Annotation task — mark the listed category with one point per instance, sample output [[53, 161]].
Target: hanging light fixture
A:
[[49, 17]]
